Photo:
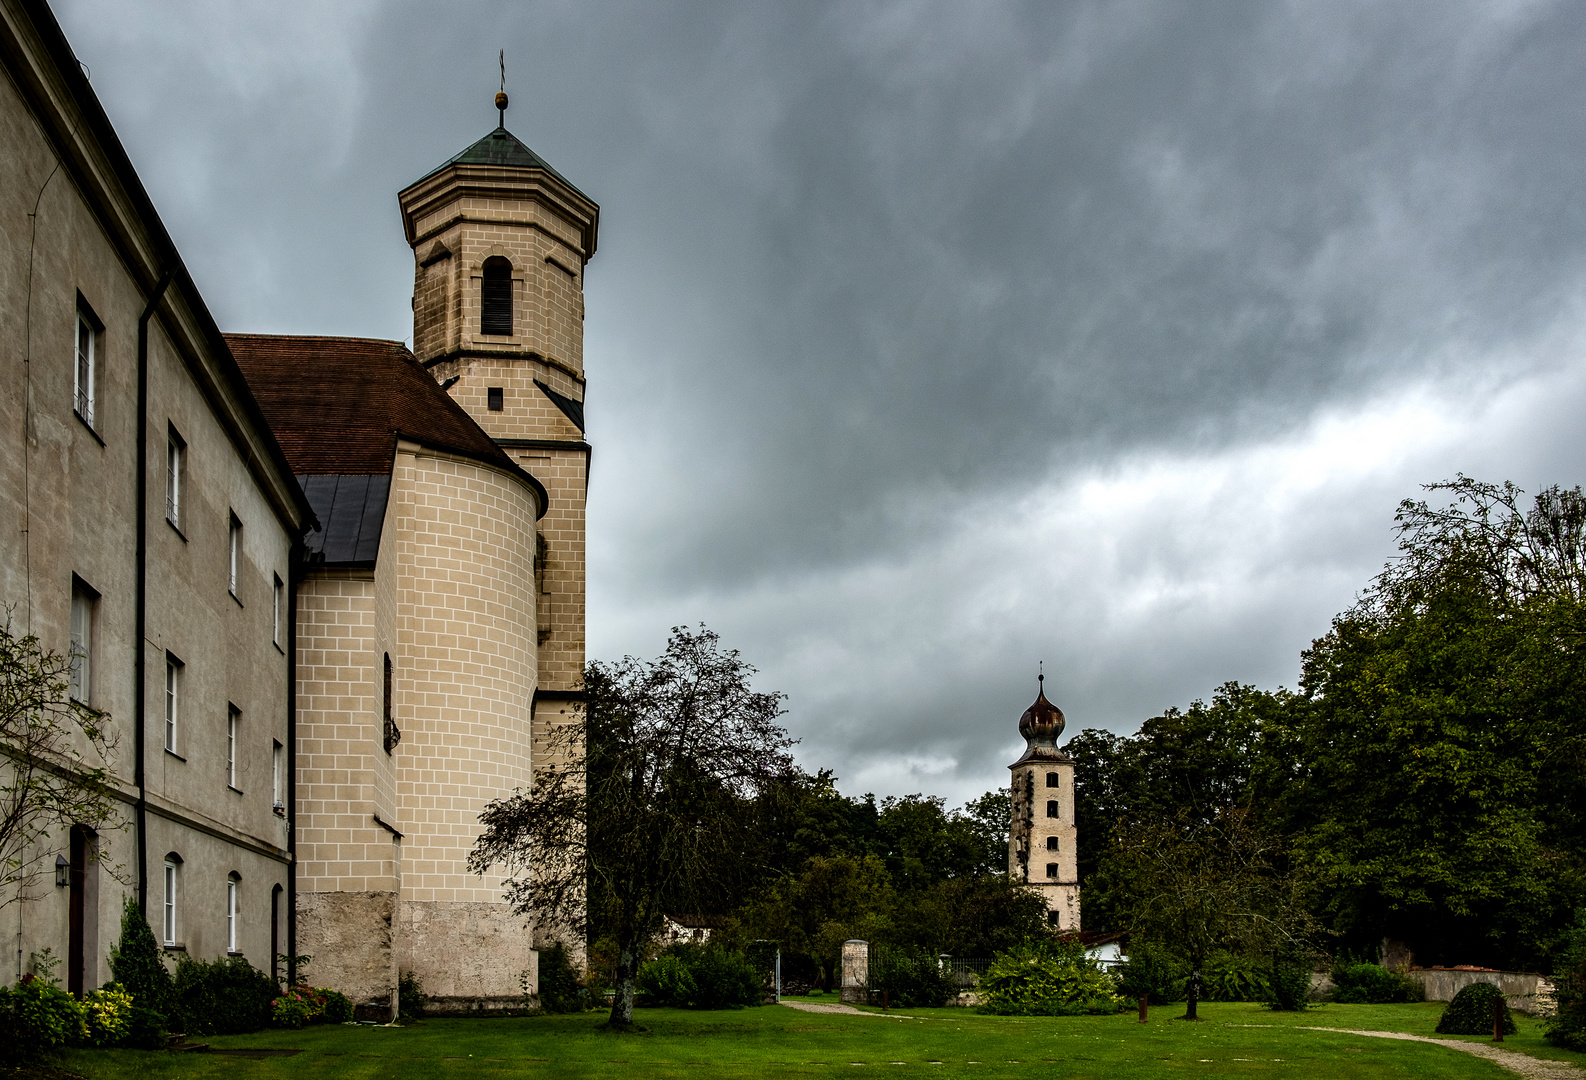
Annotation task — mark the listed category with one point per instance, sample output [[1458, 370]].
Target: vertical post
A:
[[886, 999], [1142, 1008], [779, 974], [855, 971], [1497, 1019]]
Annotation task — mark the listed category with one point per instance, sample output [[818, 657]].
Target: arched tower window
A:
[[495, 311]]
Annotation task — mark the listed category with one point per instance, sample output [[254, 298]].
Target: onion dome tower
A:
[[1042, 839]]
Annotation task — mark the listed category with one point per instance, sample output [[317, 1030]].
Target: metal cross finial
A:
[[1041, 673], [501, 95]]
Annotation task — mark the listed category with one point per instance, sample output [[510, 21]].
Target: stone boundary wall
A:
[[1525, 991]]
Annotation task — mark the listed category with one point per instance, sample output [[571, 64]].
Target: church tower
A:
[[500, 241], [1042, 839]]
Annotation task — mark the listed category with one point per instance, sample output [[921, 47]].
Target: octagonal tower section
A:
[[1042, 840]]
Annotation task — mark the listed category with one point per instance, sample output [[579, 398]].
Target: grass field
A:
[[1230, 1040]]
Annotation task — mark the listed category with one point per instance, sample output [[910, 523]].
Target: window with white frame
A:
[[80, 677], [233, 722], [280, 598], [175, 475], [173, 862], [277, 777], [235, 542], [233, 887], [173, 686], [85, 371]]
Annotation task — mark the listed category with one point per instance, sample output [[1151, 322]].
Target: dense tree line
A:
[[1425, 781]]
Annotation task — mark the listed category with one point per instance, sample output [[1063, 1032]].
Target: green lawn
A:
[[1230, 1040]]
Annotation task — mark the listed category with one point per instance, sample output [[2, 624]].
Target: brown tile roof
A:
[[337, 404]]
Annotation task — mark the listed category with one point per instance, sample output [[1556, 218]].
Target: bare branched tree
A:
[[55, 761], [641, 805], [1484, 534]]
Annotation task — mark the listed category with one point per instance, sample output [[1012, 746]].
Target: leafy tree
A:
[[1202, 887], [986, 820], [58, 754], [1439, 792], [640, 808]]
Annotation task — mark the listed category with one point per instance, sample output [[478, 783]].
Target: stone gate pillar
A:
[[855, 971]]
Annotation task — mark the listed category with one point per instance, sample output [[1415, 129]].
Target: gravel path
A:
[[835, 1007], [1527, 1066]]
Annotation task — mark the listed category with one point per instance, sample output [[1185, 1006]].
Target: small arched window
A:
[[233, 887], [173, 863], [495, 311], [1052, 779], [1051, 808]]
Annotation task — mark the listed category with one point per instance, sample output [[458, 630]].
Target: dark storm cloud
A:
[[885, 289]]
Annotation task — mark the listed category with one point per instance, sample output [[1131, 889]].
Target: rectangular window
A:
[[231, 914], [277, 777], [280, 598], [170, 903], [235, 542], [393, 734], [81, 677], [495, 398], [1051, 808], [1051, 779], [1051, 869], [232, 719], [173, 678], [175, 468], [1051, 843], [85, 371]]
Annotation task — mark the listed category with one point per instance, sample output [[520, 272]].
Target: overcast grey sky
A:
[[930, 340]]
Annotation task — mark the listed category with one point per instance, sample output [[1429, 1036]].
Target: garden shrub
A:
[[911, 980], [107, 1015], [288, 1011], [228, 996], [1470, 1013], [136, 962], [338, 1006], [1373, 984], [1048, 978], [1289, 984], [687, 976], [37, 1017], [1228, 977], [1152, 972], [146, 1030], [1567, 1026], [411, 998], [560, 991]]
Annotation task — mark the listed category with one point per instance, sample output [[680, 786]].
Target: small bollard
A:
[[1142, 1008], [1497, 1019], [886, 1000]]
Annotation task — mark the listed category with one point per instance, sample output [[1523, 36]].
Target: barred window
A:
[[393, 734]]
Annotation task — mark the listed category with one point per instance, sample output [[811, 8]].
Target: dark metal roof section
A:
[[351, 510], [573, 410], [1040, 725], [502, 148]]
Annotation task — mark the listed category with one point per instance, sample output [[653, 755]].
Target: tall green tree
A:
[[641, 809]]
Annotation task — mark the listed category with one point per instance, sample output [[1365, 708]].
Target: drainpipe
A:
[[140, 676], [294, 575]]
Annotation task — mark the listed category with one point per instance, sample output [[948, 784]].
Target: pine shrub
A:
[[136, 963], [1289, 985], [1470, 1013], [560, 991], [411, 998]]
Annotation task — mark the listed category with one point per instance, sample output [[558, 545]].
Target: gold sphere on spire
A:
[[501, 99]]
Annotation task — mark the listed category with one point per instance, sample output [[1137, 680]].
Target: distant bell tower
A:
[[1042, 839], [500, 241]]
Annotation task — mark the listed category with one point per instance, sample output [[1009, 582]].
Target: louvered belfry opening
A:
[[495, 314]]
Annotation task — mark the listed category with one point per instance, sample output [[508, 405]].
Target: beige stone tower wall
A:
[[1053, 871], [349, 856], [465, 676]]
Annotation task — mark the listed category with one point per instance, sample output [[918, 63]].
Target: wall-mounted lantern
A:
[[63, 872]]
